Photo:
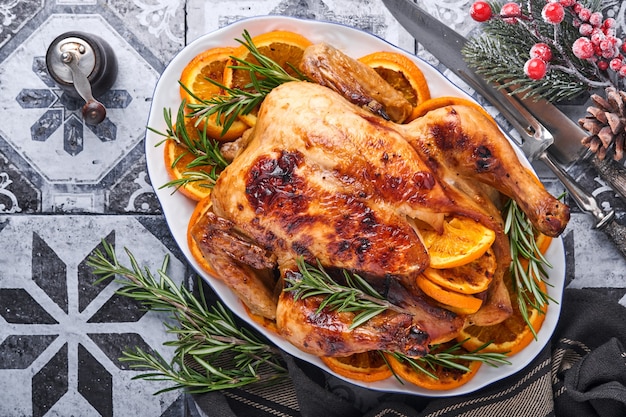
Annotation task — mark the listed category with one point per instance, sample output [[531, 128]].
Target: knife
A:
[[446, 44]]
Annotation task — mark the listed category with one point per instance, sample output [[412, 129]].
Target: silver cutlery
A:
[[537, 141]]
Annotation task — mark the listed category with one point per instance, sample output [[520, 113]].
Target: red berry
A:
[[616, 64], [609, 23], [596, 19], [567, 3], [541, 51], [584, 14], [597, 36], [535, 68], [553, 13], [583, 48], [480, 11], [622, 71], [602, 65], [585, 29], [606, 44], [577, 7], [510, 11]]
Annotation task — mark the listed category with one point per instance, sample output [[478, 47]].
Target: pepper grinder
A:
[[83, 66]]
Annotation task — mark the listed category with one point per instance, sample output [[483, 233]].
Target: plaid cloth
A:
[[580, 373]]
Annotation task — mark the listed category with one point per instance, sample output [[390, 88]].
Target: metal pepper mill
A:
[[84, 66]]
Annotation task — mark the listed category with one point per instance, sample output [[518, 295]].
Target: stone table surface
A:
[[65, 186]]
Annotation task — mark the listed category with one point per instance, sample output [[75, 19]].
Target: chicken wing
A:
[[461, 141], [354, 80]]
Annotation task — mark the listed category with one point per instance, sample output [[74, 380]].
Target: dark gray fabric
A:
[[580, 373], [592, 333]]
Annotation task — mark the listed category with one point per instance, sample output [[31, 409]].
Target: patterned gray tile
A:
[[61, 334]]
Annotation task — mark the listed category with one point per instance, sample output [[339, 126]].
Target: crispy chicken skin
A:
[[327, 180], [357, 82], [328, 333], [461, 139], [244, 266]]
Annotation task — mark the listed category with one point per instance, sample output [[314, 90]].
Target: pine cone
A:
[[606, 124]]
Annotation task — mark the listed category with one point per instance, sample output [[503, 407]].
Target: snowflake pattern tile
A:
[[62, 330]]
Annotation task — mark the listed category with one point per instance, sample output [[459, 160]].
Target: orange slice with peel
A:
[[199, 211], [451, 300], [446, 378], [402, 74], [195, 87], [177, 158], [366, 367], [284, 47], [471, 278], [438, 102], [510, 336], [463, 240], [513, 334]]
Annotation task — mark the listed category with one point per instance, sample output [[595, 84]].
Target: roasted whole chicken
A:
[[328, 180]]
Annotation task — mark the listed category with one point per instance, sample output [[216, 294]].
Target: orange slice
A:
[[438, 102], [513, 334], [177, 159], [283, 47], [446, 378], [366, 367], [402, 74], [463, 240], [263, 321], [199, 211], [209, 64], [451, 300], [510, 336], [471, 278], [543, 242]]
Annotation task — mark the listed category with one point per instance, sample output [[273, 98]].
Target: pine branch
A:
[[501, 50]]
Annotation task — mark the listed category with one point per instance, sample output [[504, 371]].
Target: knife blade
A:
[[447, 44]]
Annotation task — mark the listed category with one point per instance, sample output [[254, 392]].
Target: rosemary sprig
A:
[[205, 150], [265, 75], [356, 295], [451, 357], [524, 247], [211, 351]]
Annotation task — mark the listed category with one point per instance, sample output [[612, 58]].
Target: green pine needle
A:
[[500, 51]]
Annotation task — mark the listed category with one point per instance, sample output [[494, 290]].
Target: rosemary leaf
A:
[[356, 295], [451, 357], [526, 279], [205, 336], [264, 77]]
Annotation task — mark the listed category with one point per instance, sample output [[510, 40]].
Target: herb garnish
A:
[[205, 150], [205, 337], [264, 77], [451, 357], [356, 295], [526, 278]]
